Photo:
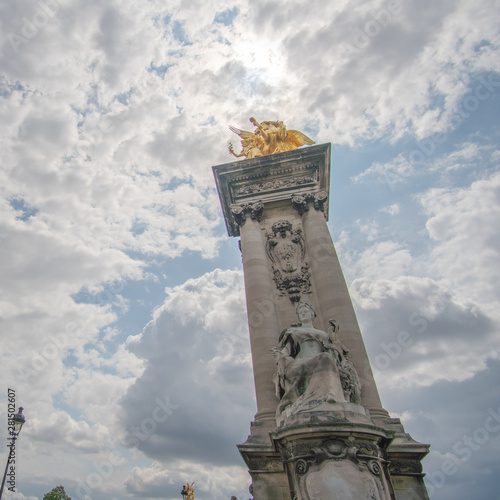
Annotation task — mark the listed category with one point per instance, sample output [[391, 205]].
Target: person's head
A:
[[305, 311]]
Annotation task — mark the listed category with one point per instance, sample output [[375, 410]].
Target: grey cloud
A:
[[199, 367], [454, 418], [99, 144], [418, 322]]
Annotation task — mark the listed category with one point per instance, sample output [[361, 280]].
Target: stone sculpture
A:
[[351, 384], [270, 137], [313, 368], [307, 369]]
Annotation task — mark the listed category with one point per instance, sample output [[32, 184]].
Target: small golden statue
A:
[[269, 138], [188, 491]]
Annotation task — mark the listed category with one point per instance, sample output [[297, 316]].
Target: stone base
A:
[[405, 467], [330, 457], [338, 452], [265, 466], [327, 413]]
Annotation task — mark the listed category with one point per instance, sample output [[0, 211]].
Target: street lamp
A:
[[19, 420]]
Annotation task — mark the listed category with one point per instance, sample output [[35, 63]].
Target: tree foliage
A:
[[57, 493]]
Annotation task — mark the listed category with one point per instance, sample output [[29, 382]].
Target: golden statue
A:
[[269, 138], [188, 491]]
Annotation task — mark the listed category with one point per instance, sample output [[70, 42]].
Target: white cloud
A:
[[158, 481], [419, 332], [59, 427], [433, 315], [393, 209], [196, 352], [110, 118], [463, 224]]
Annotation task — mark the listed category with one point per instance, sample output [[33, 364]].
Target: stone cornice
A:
[[271, 178]]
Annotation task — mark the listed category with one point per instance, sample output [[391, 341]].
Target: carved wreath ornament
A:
[[337, 449]]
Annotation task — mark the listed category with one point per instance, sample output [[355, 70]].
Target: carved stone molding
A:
[[273, 185], [301, 201], [271, 179], [405, 467], [239, 212], [264, 464], [318, 465], [286, 250], [315, 453]]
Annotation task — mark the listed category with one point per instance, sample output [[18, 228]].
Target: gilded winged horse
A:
[[270, 137]]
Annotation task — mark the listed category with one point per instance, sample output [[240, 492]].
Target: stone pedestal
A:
[[278, 205], [329, 457]]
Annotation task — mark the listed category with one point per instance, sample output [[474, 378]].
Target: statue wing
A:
[[247, 138], [297, 139]]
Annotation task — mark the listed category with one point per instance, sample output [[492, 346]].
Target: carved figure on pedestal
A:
[[307, 368]]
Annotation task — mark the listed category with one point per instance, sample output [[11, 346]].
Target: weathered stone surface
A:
[[278, 204], [336, 464], [272, 178]]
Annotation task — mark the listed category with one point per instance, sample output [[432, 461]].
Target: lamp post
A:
[[18, 420]]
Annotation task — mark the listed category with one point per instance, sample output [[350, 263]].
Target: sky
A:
[[122, 311]]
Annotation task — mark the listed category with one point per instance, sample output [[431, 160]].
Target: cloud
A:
[[418, 332], [462, 224], [157, 481], [59, 427], [197, 356], [428, 157], [110, 118], [392, 209], [433, 314], [467, 443]]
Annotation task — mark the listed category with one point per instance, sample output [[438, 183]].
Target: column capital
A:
[[301, 202], [240, 212]]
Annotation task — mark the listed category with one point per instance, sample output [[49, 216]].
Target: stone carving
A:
[[294, 284], [266, 464], [286, 249], [314, 453], [337, 468], [254, 209], [307, 376], [275, 185], [301, 201], [405, 467], [351, 384], [270, 137]]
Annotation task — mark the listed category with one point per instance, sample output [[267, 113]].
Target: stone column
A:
[[327, 448], [262, 318], [269, 479], [332, 293]]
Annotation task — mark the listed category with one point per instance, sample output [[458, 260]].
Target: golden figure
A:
[[269, 138], [188, 489]]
